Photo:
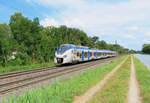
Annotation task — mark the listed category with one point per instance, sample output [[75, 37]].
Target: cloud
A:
[[53, 22], [74, 22], [146, 41], [147, 33], [98, 14], [28, 1], [49, 22], [129, 36], [133, 28]]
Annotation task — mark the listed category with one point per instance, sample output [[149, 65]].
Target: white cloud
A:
[[74, 22], [146, 41], [147, 33], [100, 14], [133, 28], [53, 22], [49, 22], [129, 36], [28, 1]]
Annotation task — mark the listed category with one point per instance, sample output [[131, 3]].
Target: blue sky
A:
[[127, 21]]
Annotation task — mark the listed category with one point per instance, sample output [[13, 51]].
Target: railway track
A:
[[14, 74], [13, 81]]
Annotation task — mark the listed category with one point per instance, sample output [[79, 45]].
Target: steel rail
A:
[[18, 73], [46, 76]]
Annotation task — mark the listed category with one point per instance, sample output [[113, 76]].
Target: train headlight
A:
[[65, 56]]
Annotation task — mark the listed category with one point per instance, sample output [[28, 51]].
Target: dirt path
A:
[[85, 97], [133, 94]]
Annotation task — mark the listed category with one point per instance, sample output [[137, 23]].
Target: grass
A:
[[64, 92], [143, 77], [115, 90], [26, 67]]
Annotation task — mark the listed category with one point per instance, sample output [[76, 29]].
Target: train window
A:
[[95, 53], [104, 54], [62, 49], [78, 54], [99, 54], [90, 54], [85, 54]]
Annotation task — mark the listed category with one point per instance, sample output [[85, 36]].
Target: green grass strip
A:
[[143, 77], [115, 90], [64, 92], [26, 67]]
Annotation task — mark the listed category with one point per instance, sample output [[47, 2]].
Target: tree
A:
[[5, 43], [102, 45], [26, 33], [146, 48]]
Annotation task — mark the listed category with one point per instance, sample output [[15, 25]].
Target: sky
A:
[[124, 21]]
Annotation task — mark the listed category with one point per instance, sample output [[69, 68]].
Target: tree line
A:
[[32, 43], [146, 48]]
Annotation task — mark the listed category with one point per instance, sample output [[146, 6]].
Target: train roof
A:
[[86, 48]]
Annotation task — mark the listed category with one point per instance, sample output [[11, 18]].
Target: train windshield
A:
[[62, 49]]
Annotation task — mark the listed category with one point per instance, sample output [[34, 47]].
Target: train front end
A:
[[63, 55]]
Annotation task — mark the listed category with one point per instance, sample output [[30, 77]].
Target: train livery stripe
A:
[[82, 55]]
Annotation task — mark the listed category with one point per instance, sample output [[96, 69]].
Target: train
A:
[[70, 54]]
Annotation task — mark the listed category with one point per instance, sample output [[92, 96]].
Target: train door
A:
[[88, 55], [96, 54], [82, 55]]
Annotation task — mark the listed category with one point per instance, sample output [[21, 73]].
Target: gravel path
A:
[[88, 95], [133, 94]]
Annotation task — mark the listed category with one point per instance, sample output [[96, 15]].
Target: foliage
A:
[[146, 48], [64, 92], [5, 43]]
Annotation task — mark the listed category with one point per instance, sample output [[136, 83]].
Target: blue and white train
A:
[[68, 53]]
